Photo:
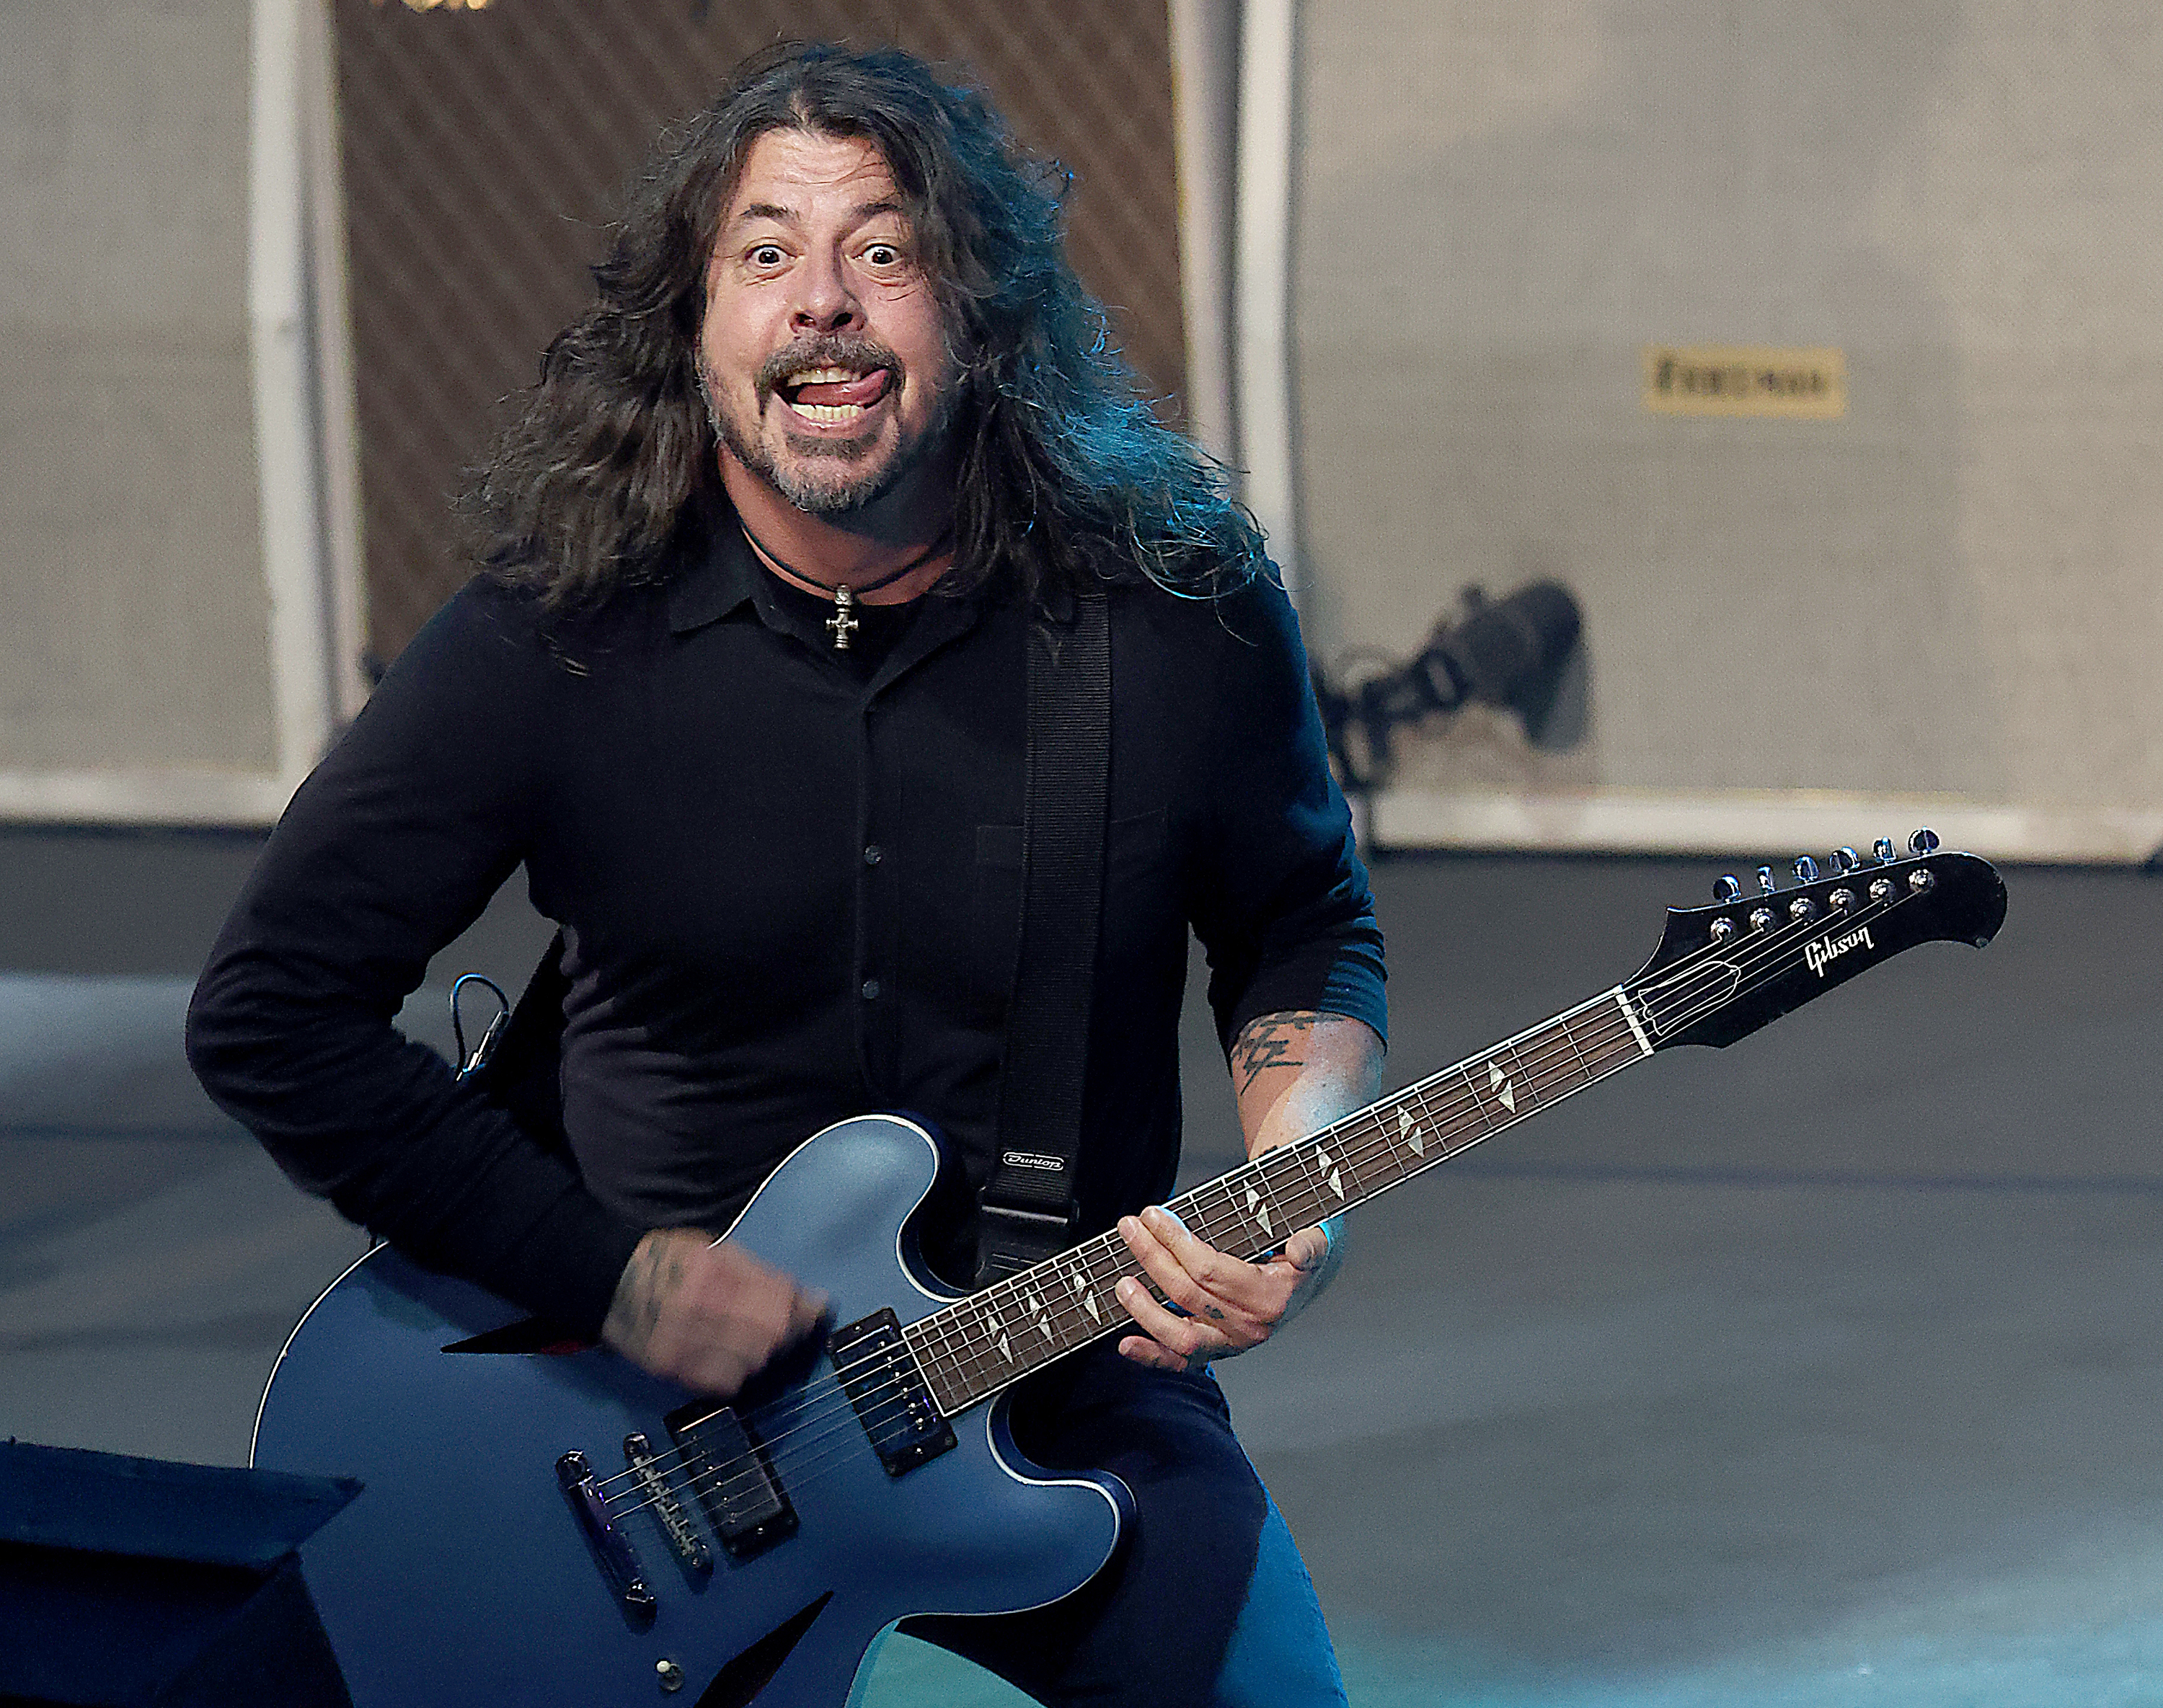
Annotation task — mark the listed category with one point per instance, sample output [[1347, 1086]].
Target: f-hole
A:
[[742, 1678]]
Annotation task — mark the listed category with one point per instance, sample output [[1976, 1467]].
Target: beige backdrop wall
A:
[[1948, 601], [134, 615]]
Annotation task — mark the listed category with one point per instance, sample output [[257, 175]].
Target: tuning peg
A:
[[1923, 842], [1844, 860], [1806, 869], [1726, 888], [1882, 848], [1764, 880]]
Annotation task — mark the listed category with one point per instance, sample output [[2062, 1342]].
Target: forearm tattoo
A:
[[1273, 1040]]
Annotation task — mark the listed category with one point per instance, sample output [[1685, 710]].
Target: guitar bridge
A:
[[611, 1551], [729, 1467], [880, 1376], [660, 1496]]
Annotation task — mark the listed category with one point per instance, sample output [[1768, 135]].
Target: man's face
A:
[[824, 351]]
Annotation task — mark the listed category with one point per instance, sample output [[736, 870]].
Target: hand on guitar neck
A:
[[1293, 1074], [704, 1312]]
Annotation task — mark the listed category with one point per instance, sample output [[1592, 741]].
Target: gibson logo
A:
[[1827, 949]]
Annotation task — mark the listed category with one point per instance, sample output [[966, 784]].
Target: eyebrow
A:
[[788, 216]]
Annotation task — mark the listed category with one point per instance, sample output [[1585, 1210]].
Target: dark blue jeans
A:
[[1207, 1603]]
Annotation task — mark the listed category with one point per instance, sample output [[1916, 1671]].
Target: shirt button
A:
[[871, 990], [873, 854]]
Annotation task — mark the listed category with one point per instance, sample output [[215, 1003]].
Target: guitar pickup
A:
[[734, 1476], [879, 1375]]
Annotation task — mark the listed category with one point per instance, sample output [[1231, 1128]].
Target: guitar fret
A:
[[1302, 1161], [1448, 1119], [1478, 1108], [1569, 1037]]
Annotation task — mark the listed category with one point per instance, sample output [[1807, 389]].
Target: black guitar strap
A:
[[1026, 1210]]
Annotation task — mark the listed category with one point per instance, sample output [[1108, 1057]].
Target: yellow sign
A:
[[1745, 379]]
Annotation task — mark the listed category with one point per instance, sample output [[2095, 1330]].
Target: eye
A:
[[882, 255], [766, 255]]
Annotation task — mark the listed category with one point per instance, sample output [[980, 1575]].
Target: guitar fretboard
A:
[[972, 1348]]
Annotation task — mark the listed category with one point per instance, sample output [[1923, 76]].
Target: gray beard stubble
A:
[[824, 499]]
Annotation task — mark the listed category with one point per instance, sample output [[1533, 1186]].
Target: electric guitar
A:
[[544, 1522]]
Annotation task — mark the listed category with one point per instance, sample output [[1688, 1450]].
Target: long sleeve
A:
[[389, 850], [1282, 905]]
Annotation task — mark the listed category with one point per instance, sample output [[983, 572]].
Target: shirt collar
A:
[[720, 577]]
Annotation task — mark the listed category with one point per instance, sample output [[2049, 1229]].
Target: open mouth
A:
[[833, 396]]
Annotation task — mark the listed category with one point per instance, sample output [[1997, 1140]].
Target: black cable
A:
[[470, 1065]]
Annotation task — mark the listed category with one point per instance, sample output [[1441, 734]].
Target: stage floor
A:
[[1823, 1370]]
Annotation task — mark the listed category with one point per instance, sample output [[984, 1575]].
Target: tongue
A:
[[864, 388]]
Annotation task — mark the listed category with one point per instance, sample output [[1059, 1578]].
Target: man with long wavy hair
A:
[[740, 683]]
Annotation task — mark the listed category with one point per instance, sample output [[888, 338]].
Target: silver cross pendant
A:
[[842, 624]]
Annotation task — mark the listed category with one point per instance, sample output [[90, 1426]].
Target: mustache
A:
[[834, 350]]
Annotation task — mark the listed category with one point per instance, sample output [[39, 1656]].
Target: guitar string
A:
[[805, 1472], [1535, 1064], [801, 1474], [1541, 1065], [1555, 1058]]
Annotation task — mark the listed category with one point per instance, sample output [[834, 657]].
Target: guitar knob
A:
[[1921, 879], [1845, 861], [1882, 848], [1880, 890], [1726, 888], [1801, 907], [1761, 919], [1924, 841], [1764, 880], [1722, 928], [1842, 900], [1806, 869]]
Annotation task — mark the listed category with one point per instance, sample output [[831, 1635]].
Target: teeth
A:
[[820, 377], [828, 411]]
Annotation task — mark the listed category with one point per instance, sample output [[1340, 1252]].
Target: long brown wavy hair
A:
[[1065, 474]]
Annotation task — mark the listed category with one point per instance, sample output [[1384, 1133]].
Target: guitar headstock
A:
[[1722, 972]]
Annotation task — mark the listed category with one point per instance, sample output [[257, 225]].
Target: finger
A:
[[1189, 1337], [1142, 1350], [1212, 1268], [1253, 1290], [1174, 1278], [1306, 1250]]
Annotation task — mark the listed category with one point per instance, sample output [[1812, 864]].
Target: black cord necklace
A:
[[844, 621]]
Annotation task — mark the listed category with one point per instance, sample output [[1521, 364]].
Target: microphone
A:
[[1505, 653]]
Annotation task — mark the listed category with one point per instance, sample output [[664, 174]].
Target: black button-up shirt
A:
[[789, 885]]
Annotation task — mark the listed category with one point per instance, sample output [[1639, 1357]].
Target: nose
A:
[[826, 302]]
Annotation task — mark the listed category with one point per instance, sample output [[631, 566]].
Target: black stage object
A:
[[148, 1583], [1507, 652]]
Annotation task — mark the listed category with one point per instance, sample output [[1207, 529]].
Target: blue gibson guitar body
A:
[[469, 1573], [544, 1523]]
